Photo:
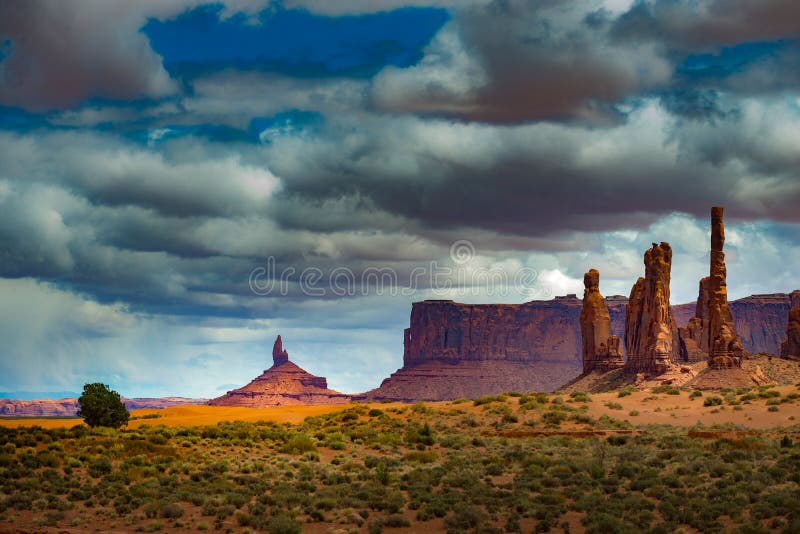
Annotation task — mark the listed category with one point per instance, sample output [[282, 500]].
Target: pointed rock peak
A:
[[279, 355]]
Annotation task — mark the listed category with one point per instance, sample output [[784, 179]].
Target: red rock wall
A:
[[550, 330], [534, 331]]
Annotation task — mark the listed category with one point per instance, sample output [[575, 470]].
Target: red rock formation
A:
[[791, 347], [68, 407], [279, 355], [693, 337], [535, 331], [282, 384], [725, 348], [650, 330], [445, 336], [760, 321], [600, 350]]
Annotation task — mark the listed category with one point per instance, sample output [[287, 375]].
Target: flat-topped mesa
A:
[[725, 348], [651, 336], [279, 354], [600, 350]]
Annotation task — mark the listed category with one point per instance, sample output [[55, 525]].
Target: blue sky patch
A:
[[730, 59], [294, 42]]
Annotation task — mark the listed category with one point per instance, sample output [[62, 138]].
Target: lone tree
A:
[[101, 406]]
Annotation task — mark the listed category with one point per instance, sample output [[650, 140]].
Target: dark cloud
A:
[[552, 135], [61, 53], [539, 180], [514, 61], [708, 24]]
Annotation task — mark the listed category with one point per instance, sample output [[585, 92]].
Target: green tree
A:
[[101, 406]]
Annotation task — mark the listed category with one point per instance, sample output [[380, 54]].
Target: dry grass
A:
[[195, 415]]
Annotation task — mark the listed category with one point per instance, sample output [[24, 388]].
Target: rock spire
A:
[[600, 350], [650, 332], [279, 354], [725, 348]]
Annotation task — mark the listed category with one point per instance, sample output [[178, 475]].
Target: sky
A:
[[182, 181]]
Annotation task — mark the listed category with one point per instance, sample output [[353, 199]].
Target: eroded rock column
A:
[[279, 354], [650, 330], [725, 348], [600, 350]]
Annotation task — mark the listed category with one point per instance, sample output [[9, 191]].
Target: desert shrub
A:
[[397, 521], [283, 524], [613, 405], [713, 400], [487, 399], [667, 389], [171, 511], [694, 394], [298, 444], [624, 392], [580, 396], [99, 467], [464, 517], [553, 418]]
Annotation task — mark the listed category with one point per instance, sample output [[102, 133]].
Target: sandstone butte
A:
[[651, 334], [282, 384], [600, 351]]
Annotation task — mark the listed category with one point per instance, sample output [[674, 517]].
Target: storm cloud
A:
[[140, 193]]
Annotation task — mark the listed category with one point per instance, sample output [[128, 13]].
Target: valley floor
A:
[[665, 460]]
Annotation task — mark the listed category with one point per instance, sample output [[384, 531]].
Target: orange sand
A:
[[198, 415]]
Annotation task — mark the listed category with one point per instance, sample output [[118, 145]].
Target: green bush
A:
[[712, 401], [298, 444], [283, 524]]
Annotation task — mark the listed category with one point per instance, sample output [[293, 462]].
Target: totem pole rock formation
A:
[[279, 355], [791, 347], [600, 350], [651, 336], [725, 348]]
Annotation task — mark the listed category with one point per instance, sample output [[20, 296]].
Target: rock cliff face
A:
[[68, 407], [600, 350], [535, 331], [282, 384], [791, 347], [651, 335], [760, 321]]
